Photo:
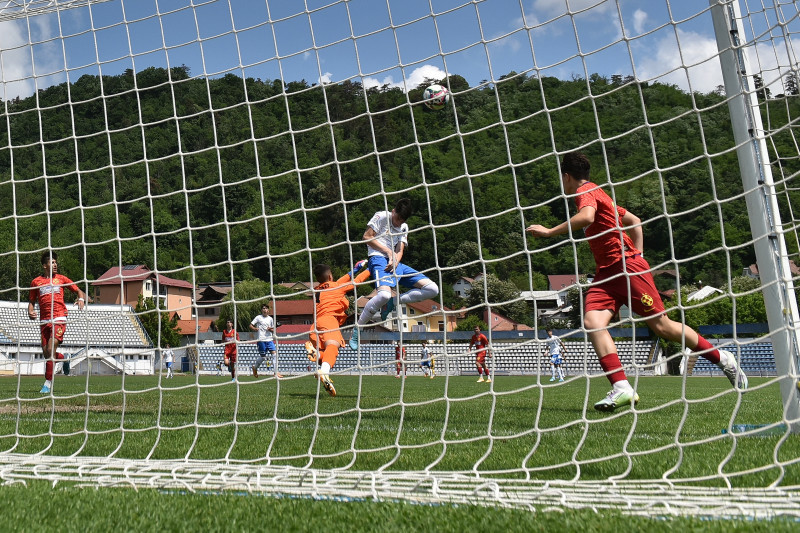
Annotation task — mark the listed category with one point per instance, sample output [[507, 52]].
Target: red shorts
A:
[[231, 356], [637, 289], [480, 357], [53, 330]]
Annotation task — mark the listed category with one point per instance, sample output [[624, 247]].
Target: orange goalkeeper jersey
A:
[[330, 299]]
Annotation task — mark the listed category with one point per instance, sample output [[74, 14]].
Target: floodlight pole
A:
[[762, 205]]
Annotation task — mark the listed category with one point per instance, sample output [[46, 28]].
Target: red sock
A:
[[613, 368], [702, 345], [48, 370]]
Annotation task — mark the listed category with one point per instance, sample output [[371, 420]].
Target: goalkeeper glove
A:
[[358, 266]]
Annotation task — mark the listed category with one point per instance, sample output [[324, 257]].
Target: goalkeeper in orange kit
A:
[[331, 305]]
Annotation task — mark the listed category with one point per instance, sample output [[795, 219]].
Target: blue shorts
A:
[[169, 365], [265, 346], [556, 360], [407, 276], [426, 362]]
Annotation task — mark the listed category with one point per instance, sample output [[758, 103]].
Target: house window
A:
[[441, 325], [210, 311], [148, 286]]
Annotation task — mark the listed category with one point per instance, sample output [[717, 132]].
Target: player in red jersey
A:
[[480, 342], [400, 358], [331, 305], [48, 291], [229, 337], [616, 239]]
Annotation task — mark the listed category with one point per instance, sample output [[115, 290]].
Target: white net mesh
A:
[[179, 149]]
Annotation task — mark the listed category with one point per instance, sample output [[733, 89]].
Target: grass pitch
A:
[[514, 427]]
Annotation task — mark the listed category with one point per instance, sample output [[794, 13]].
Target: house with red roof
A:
[[123, 286]]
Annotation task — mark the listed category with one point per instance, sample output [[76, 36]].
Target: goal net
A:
[[207, 155]]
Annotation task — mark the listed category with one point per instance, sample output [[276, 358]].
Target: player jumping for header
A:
[[331, 305], [387, 239], [48, 291], [616, 239]]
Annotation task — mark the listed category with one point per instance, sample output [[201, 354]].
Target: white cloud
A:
[[639, 18], [699, 56], [17, 65], [557, 7], [325, 78], [416, 78]]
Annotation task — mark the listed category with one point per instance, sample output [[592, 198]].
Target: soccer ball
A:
[[435, 96]]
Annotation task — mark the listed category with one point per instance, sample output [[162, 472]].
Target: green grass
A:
[[512, 429]]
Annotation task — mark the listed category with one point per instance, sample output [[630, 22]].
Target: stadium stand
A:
[[112, 330], [756, 359], [509, 358]]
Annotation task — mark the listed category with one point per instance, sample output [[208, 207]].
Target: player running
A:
[[400, 359], [616, 239], [427, 363], [480, 342], [265, 326], [229, 337], [387, 239], [48, 291], [554, 347], [330, 305]]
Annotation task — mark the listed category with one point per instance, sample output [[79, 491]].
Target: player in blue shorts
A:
[[426, 361], [265, 326], [387, 239], [554, 348]]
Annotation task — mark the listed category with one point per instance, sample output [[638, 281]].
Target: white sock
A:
[[418, 294], [622, 385], [561, 373], [48, 383], [325, 368], [373, 306]]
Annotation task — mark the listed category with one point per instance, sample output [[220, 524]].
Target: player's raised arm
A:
[[579, 220]]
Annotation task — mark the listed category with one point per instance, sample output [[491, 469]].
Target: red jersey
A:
[[399, 352], [49, 293], [229, 337], [479, 341], [330, 299], [604, 233]]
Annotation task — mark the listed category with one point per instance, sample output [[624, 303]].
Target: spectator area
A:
[[104, 326]]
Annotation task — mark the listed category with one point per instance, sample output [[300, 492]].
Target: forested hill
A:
[[251, 173]]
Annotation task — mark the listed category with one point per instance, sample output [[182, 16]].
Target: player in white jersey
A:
[[387, 239], [265, 326], [426, 361], [554, 348], [169, 358]]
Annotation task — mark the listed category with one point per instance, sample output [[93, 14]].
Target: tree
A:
[[159, 326], [790, 84], [469, 323], [503, 296]]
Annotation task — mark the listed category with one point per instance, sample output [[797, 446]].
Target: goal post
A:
[[762, 205]]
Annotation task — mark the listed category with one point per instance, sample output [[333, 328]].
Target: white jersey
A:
[[264, 325], [554, 345], [426, 354], [168, 356], [386, 233]]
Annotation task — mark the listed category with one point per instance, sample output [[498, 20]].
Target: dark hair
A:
[[229, 320], [403, 208], [49, 256], [264, 305], [576, 165], [321, 272]]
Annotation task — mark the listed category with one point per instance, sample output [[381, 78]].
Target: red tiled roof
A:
[[427, 306], [502, 323], [115, 275], [561, 281], [293, 333], [294, 307], [190, 327]]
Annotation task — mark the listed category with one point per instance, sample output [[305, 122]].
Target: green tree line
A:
[[243, 179]]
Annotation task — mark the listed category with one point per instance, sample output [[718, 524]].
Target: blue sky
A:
[[376, 42]]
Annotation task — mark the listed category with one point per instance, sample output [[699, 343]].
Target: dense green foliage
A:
[[161, 329], [213, 179]]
